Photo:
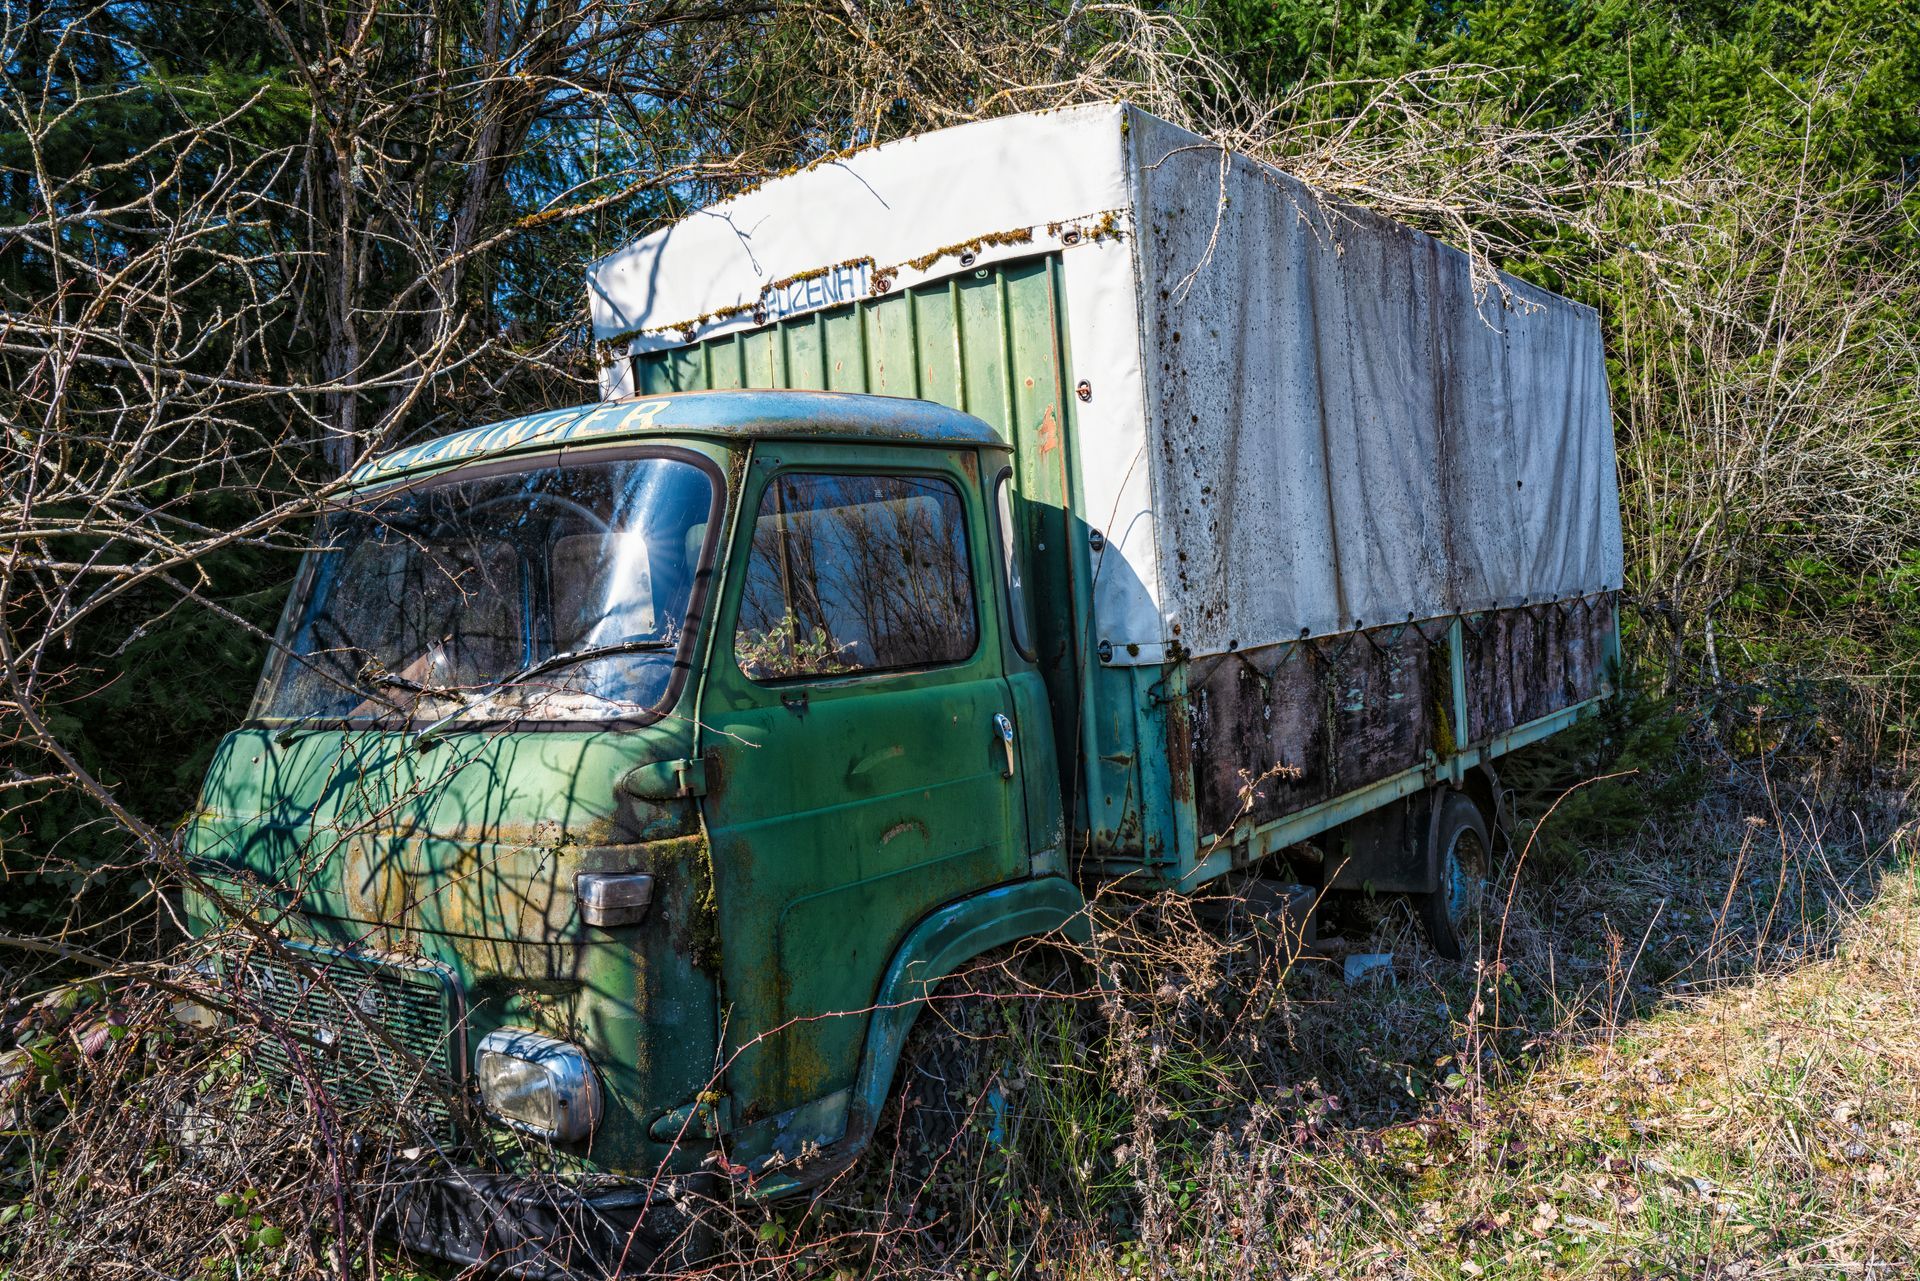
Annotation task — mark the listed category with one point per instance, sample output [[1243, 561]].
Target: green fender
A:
[[936, 947]]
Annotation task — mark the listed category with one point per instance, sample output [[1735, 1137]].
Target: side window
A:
[[1010, 557], [856, 574]]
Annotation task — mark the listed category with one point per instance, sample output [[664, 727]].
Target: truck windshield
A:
[[421, 600]]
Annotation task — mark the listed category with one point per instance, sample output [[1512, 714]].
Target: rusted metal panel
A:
[[1282, 727], [1277, 729], [1522, 664]]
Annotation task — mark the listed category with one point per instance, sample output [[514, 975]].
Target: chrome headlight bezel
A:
[[514, 1067]]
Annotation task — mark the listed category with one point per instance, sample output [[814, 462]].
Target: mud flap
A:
[[1389, 850]]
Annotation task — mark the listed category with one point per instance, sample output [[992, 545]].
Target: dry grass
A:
[[1764, 1130], [1696, 1060], [1767, 1129]]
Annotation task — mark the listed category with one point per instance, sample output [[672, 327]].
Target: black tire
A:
[[1454, 912]]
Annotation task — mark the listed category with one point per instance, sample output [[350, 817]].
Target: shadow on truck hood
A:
[[479, 837]]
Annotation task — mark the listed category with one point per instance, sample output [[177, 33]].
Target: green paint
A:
[[993, 343], [464, 856], [938, 945]]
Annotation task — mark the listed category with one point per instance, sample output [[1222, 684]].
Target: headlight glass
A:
[[537, 1084]]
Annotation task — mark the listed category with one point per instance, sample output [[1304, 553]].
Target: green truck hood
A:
[[464, 856], [478, 837]]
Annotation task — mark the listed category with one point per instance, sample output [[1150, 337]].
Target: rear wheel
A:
[[1454, 911]]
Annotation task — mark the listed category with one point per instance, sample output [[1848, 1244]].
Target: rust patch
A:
[[1049, 432], [375, 882], [1526, 663], [1352, 709], [1334, 714], [1125, 840], [697, 934], [804, 1070], [1180, 750]]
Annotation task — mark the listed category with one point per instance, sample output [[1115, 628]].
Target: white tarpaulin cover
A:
[[815, 238], [1343, 434], [1308, 419]]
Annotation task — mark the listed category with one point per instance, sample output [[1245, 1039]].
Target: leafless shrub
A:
[[1768, 429], [201, 335], [1460, 150]]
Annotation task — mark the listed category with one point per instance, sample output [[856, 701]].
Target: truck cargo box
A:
[[1314, 517]]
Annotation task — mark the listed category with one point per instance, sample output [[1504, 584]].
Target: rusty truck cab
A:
[[619, 778]]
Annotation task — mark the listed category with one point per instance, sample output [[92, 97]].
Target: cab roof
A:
[[738, 416]]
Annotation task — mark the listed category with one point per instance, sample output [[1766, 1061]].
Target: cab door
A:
[[861, 751]]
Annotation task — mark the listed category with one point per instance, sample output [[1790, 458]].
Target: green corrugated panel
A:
[[984, 343]]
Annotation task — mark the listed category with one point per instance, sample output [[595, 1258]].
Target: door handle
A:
[[1004, 724]]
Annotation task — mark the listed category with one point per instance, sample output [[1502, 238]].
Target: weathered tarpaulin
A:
[[1346, 433], [1296, 419]]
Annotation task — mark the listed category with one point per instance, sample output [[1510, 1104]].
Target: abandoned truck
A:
[[968, 521]]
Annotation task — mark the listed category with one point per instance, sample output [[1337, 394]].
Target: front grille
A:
[[376, 1032]]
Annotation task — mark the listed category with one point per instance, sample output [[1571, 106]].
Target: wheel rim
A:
[[1464, 877]]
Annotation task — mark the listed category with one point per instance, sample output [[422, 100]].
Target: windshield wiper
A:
[[395, 681], [369, 683], [564, 658]]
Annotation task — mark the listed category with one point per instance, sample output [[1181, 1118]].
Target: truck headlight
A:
[[537, 1084]]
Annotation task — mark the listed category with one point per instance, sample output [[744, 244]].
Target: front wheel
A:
[[1454, 911]]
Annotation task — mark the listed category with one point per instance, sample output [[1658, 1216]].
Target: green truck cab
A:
[[624, 777], [768, 759]]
